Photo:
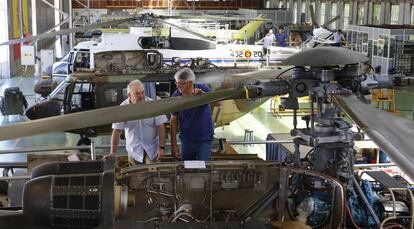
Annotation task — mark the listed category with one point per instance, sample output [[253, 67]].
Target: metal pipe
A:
[[211, 194], [312, 115], [177, 197], [52, 6], [70, 17], [93, 153], [80, 3], [258, 142], [41, 149], [33, 150], [16, 178], [373, 165], [394, 210], [295, 118]]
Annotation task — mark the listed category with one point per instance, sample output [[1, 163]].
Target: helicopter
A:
[[176, 44], [106, 87], [322, 36], [317, 190]]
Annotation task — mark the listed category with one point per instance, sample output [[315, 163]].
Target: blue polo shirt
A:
[[195, 123], [281, 39]]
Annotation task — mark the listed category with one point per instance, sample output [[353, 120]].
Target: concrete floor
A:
[[261, 121]]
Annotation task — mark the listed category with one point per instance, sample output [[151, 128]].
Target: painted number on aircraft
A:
[[246, 54], [257, 54], [237, 54]]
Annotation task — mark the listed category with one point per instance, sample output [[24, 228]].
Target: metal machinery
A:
[[248, 194], [332, 141], [319, 190]]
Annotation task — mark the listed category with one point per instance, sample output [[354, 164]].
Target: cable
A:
[[308, 154], [280, 74], [393, 225]]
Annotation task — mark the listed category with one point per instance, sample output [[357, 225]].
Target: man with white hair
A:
[[268, 41], [145, 138], [196, 125]]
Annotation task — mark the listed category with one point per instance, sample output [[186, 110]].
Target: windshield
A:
[[67, 58]]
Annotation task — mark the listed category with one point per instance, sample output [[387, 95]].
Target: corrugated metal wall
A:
[[45, 18]]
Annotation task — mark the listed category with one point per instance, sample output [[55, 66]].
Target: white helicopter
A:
[[178, 46], [321, 35]]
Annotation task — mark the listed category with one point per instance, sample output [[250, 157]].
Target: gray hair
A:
[[137, 82], [185, 74]]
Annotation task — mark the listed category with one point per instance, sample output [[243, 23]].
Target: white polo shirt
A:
[[141, 135]]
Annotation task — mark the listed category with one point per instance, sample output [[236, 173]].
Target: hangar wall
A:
[[45, 20]]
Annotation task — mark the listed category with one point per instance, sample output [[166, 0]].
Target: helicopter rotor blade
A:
[[224, 18], [66, 31], [330, 21], [107, 115], [391, 133], [325, 56], [186, 30]]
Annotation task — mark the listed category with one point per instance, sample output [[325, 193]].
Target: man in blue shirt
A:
[[281, 37], [196, 125]]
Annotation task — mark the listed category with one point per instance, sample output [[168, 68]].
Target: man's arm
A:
[[116, 134], [161, 149], [173, 126]]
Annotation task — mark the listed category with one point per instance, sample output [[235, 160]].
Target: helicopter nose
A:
[[44, 109]]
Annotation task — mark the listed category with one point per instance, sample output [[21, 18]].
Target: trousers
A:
[[195, 150]]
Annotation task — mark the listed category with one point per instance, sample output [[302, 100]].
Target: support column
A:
[[405, 15], [70, 16], [386, 12], [370, 12]]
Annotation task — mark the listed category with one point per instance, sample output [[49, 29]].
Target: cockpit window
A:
[[111, 95], [124, 94], [82, 60]]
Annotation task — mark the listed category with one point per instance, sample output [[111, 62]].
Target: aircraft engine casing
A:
[[60, 199]]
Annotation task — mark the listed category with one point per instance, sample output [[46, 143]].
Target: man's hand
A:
[[175, 151], [197, 91], [160, 154]]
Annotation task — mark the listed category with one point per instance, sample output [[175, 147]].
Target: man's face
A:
[[184, 86], [137, 94]]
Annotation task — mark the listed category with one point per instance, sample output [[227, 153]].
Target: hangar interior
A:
[[311, 103]]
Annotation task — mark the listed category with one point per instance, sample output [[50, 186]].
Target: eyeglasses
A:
[[180, 83]]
